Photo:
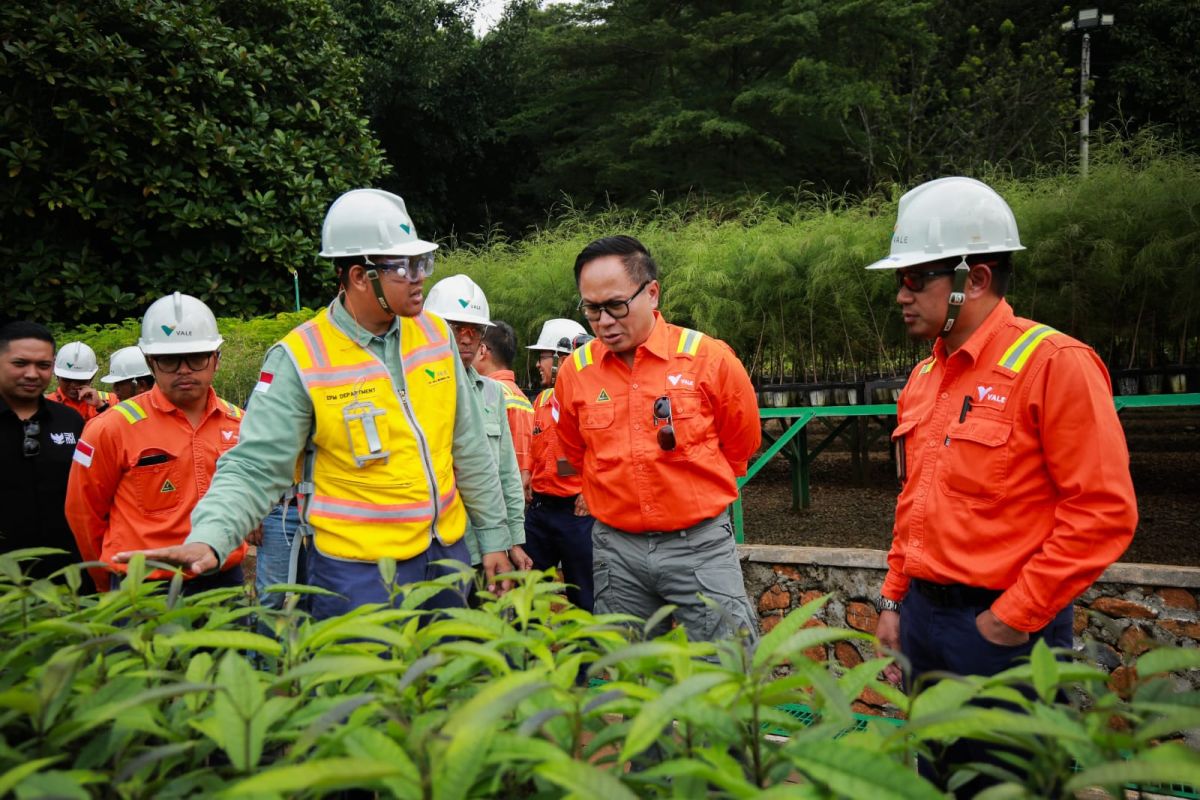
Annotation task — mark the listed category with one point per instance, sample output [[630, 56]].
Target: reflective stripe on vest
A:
[[927, 367], [544, 397], [514, 400], [689, 342], [1018, 353], [131, 411], [583, 356], [386, 506]]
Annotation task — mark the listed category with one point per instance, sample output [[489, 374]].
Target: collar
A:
[[357, 333], [999, 317], [474, 376], [656, 343], [504, 375], [43, 408], [160, 402]]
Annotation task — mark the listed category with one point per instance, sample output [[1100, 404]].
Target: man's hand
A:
[[991, 628], [888, 634], [496, 564], [520, 558], [581, 509], [195, 558], [526, 486], [90, 396]]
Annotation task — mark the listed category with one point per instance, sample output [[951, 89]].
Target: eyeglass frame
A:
[[903, 276], [33, 429], [403, 266], [598, 309], [184, 358], [667, 430]]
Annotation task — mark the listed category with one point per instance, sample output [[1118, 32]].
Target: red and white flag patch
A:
[[83, 453], [264, 381]]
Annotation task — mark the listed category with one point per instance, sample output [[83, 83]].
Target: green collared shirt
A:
[[278, 424], [490, 397]]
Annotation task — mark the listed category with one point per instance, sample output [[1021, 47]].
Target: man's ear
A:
[[979, 280]]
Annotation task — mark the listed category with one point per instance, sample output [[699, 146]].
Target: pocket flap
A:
[[903, 428], [987, 432], [597, 416]]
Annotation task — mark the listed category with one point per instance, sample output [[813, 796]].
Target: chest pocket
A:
[[974, 463], [900, 446], [599, 432], [692, 431], [158, 481], [491, 426]]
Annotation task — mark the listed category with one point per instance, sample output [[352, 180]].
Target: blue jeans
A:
[[940, 639], [554, 535], [280, 529], [359, 582]]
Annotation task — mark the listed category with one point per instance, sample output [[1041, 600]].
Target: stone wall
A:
[[1130, 609]]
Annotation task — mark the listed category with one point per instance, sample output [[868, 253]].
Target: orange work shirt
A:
[[139, 470], [606, 428], [520, 417], [548, 454], [1015, 469], [85, 410]]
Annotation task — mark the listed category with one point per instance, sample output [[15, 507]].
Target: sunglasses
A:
[[31, 444], [915, 281], [411, 268], [195, 361], [662, 413], [617, 309]]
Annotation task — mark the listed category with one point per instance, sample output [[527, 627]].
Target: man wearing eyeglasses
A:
[[361, 407], [1016, 492], [37, 438], [659, 420], [140, 468]]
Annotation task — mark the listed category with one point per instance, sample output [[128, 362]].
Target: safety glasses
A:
[[32, 446], [662, 413], [914, 281], [411, 268], [172, 363], [617, 309]]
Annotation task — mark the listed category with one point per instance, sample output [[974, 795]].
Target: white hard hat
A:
[[459, 299], [553, 333], [178, 323], [77, 361], [370, 222], [126, 364], [950, 217]]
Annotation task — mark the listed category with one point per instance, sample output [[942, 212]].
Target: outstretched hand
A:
[[195, 558], [887, 632], [497, 564]]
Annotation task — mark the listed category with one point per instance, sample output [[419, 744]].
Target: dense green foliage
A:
[[158, 145], [143, 693]]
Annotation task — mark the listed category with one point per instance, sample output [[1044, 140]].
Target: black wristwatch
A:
[[886, 604]]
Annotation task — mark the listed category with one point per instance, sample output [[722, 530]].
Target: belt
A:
[[554, 500], [956, 595]]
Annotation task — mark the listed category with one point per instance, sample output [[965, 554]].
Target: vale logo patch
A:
[[464, 303], [167, 329], [406, 228]]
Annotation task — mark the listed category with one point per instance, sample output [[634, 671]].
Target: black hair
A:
[[23, 329], [501, 339], [342, 265], [1001, 266], [639, 264]]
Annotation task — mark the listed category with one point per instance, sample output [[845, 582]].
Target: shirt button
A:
[[633, 385], [637, 427], [645, 508], [931, 443], [945, 395]]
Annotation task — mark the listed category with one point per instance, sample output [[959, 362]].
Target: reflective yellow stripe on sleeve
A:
[[583, 356], [689, 342], [1018, 353], [131, 411]]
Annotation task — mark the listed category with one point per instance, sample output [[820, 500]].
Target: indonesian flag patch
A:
[[554, 408], [264, 381], [83, 453]]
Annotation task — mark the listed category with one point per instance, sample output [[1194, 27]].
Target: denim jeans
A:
[[280, 529]]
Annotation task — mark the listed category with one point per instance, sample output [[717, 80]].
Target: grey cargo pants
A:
[[639, 573]]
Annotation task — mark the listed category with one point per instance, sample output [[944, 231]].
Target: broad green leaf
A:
[[323, 669], [334, 716], [585, 781], [853, 772], [1167, 659], [1173, 722], [10, 779], [1168, 764], [226, 640], [945, 695], [658, 712], [323, 774], [1045, 671], [769, 645]]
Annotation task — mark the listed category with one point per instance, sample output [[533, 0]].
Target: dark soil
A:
[[1164, 446]]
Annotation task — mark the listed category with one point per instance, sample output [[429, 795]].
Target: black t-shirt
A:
[[33, 489]]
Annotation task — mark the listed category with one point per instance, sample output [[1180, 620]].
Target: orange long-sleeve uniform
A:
[[520, 417], [138, 472], [1015, 469], [552, 472], [607, 430], [85, 410]]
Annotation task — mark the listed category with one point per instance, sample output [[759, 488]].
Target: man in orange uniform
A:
[[140, 469], [659, 420], [558, 527], [1016, 490], [494, 360], [75, 366]]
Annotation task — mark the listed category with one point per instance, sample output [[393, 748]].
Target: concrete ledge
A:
[[853, 557]]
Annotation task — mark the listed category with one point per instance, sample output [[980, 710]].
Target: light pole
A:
[[1085, 20]]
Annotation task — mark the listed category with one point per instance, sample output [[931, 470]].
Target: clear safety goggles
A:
[[411, 268]]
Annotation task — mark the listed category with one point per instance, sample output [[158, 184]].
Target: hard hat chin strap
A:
[[958, 295], [377, 285]]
